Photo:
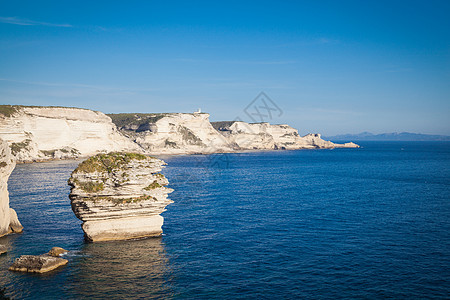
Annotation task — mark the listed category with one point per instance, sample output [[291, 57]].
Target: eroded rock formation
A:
[[42, 133], [39, 133], [253, 136], [172, 133], [119, 196], [8, 218]]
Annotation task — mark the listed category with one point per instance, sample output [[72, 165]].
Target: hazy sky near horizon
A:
[[331, 66]]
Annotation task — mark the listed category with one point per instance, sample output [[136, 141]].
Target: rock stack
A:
[[119, 196]]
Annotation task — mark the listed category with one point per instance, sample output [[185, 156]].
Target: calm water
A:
[[345, 223]]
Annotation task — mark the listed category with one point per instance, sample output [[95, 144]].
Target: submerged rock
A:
[[57, 251], [119, 196], [3, 249], [37, 263]]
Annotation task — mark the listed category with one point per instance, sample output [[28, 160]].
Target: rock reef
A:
[[119, 196], [8, 217]]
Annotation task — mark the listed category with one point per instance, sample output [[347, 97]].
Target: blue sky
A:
[[331, 66]]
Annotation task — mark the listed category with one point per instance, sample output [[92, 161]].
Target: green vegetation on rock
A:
[[17, 147], [8, 110], [128, 119], [189, 136], [171, 144], [152, 186], [108, 162]]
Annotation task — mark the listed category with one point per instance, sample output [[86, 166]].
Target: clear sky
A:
[[331, 66]]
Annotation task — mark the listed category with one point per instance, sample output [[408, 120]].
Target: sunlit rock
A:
[[119, 196]]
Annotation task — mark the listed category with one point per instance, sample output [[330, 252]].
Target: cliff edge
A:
[[40, 133], [8, 218]]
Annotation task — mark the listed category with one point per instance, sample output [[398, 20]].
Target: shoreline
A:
[[162, 155]]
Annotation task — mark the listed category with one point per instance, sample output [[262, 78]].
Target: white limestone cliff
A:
[[42, 133], [39, 133], [119, 196], [172, 133], [248, 136], [8, 218]]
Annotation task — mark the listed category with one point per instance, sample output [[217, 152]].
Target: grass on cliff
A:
[[108, 162], [8, 110], [152, 186], [17, 147], [128, 119]]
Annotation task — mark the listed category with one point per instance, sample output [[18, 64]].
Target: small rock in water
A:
[[2, 249], [57, 251], [39, 263]]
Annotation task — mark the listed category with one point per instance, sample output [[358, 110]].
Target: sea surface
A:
[[367, 223]]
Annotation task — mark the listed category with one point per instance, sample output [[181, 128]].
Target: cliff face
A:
[[267, 136], [174, 133], [8, 217], [119, 196], [39, 133]]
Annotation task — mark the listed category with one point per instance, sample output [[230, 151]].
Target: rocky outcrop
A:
[[253, 136], [172, 133], [39, 263], [119, 196], [8, 218], [40, 133]]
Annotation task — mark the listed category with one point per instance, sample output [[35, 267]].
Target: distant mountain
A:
[[395, 136]]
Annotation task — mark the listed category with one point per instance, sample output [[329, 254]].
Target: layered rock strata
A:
[[8, 218], [253, 136], [172, 133], [119, 196], [40, 133]]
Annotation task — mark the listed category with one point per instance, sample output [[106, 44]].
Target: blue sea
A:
[[368, 223]]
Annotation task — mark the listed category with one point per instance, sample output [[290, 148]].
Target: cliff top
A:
[[9, 110], [129, 119], [108, 162]]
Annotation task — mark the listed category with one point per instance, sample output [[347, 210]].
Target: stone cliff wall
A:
[[172, 133], [248, 136], [8, 217], [39, 133]]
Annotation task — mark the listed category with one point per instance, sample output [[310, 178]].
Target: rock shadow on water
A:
[[119, 268]]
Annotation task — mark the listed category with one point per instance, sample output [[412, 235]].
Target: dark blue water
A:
[[320, 224]]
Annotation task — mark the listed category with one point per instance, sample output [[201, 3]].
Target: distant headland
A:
[[394, 136]]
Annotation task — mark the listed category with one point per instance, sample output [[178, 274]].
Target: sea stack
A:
[[8, 218], [119, 196]]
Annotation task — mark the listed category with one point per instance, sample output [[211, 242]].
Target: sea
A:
[[367, 223]]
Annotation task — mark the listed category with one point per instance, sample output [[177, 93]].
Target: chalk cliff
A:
[[119, 196], [249, 136], [8, 217], [39, 133], [172, 133], [42, 133]]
